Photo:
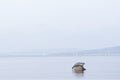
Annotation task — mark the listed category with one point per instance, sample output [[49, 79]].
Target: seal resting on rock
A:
[[78, 67]]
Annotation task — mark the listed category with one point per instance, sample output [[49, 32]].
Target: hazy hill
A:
[[66, 52], [103, 51]]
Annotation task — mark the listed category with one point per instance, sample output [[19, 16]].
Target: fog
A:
[[55, 24]]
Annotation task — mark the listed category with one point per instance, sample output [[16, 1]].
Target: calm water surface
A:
[[59, 68]]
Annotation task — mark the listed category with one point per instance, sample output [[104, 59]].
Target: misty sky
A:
[[54, 24]]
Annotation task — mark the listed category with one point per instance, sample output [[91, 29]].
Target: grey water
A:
[[59, 68]]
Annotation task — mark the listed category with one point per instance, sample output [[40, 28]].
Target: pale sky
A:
[[55, 24]]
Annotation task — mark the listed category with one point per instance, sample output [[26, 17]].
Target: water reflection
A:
[[79, 75]]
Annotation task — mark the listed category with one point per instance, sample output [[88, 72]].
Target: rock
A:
[[78, 67]]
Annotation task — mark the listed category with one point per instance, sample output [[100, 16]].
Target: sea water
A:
[[59, 68]]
